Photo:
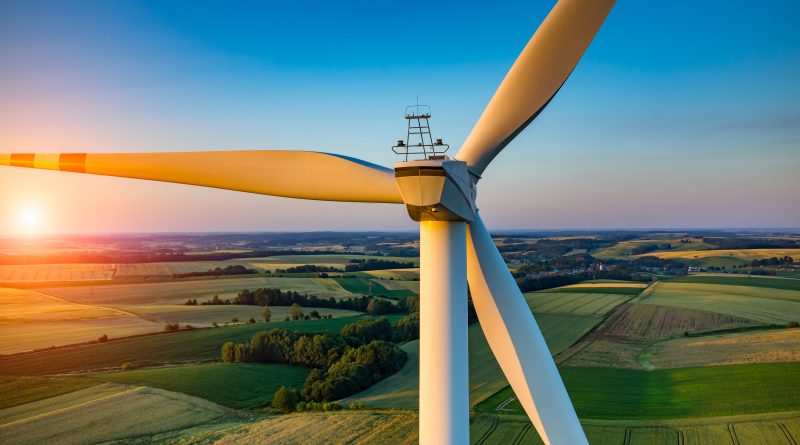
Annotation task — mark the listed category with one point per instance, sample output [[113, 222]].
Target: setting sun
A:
[[29, 220]]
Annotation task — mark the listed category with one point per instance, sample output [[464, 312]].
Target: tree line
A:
[[342, 366], [237, 269]]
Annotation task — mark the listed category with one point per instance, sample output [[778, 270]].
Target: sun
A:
[[29, 220]]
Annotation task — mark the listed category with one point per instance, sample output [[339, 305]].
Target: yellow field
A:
[[397, 274], [748, 347], [55, 272], [115, 412], [602, 284], [741, 254], [343, 427], [32, 320]]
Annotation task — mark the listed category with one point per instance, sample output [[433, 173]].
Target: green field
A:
[[176, 347], [401, 390], [200, 316], [361, 286], [738, 280], [18, 390], [239, 385], [25, 273], [606, 393], [766, 305], [576, 303]]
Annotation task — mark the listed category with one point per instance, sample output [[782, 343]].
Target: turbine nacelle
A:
[[437, 189]]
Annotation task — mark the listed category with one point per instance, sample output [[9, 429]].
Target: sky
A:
[[680, 114]]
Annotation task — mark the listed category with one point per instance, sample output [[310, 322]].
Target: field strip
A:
[[137, 412], [52, 404]]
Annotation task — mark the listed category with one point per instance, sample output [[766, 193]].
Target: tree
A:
[[228, 352], [296, 312], [285, 399], [242, 353], [266, 314], [314, 315]]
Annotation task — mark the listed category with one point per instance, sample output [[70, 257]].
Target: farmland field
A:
[[206, 315], [56, 272], [740, 280], [654, 321], [397, 274], [723, 258], [605, 393], [396, 427], [128, 412], [177, 292], [485, 376], [18, 390], [235, 385], [765, 305], [176, 347], [576, 303], [365, 286], [32, 320], [781, 345]]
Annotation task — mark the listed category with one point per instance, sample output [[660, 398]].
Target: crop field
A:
[[741, 280], [113, 415], [623, 248], [31, 320], [235, 385], [743, 255], [21, 390], [401, 389], [365, 286], [576, 303], [169, 348], [177, 292], [319, 260], [771, 346], [397, 274], [606, 393], [203, 316], [653, 321], [55, 272], [165, 270], [765, 305], [317, 428]]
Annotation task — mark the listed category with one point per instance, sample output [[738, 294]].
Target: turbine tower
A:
[[455, 246]]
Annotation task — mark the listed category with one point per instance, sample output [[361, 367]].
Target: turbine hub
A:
[[437, 189]]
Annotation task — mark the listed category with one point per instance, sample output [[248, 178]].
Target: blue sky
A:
[[681, 114]]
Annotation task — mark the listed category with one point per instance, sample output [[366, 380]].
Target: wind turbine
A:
[[455, 247]]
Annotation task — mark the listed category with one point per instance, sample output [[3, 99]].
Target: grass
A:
[[599, 288], [737, 280], [19, 390], [176, 347], [606, 393], [238, 386], [765, 305]]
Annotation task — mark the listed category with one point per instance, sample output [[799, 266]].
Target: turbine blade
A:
[[293, 174], [517, 342], [533, 80]]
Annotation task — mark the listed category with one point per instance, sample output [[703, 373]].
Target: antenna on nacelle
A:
[[419, 140]]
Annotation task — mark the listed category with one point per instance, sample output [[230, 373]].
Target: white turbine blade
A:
[[536, 76], [517, 342], [293, 174]]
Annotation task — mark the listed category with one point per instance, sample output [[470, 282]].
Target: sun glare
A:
[[29, 220]]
